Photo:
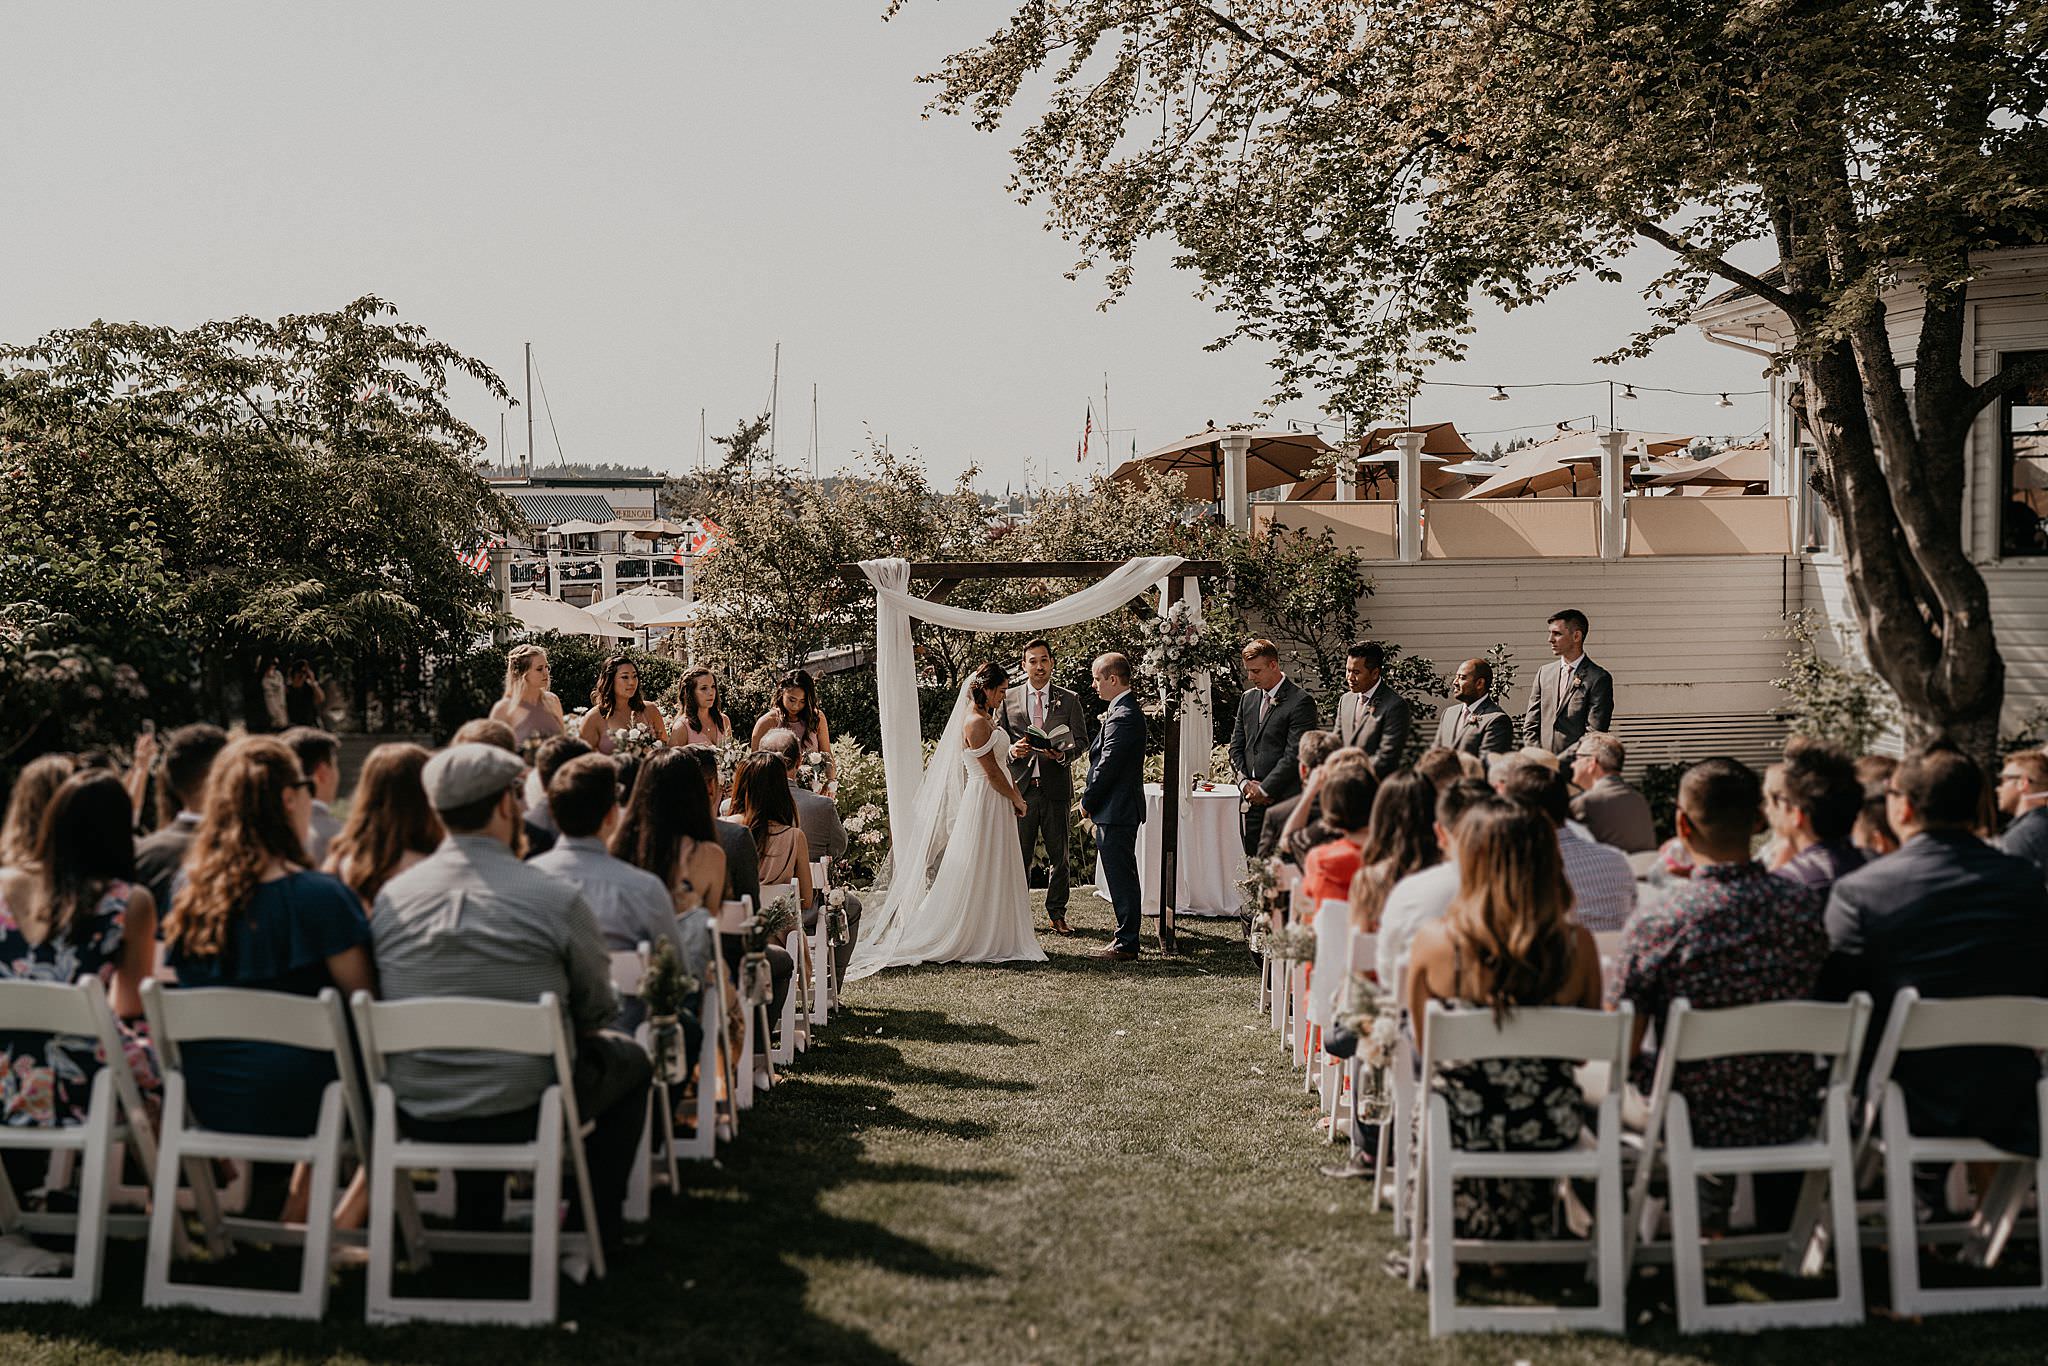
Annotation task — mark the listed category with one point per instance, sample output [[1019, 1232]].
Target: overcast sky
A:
[[654, 196]]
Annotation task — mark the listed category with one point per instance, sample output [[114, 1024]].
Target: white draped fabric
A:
[[896, 666], [1197, 729]]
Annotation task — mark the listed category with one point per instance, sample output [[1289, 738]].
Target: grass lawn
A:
[[1073, 1161]]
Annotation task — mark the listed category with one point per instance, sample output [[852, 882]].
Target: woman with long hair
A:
[[795, 709], [1326, 871], [1506, 942], [617, 704], [73, 910], [667, 828], [390, 826], [703, 720], [33, 790], [533, 712], [762, 803], [251, 914], [1400, 840]]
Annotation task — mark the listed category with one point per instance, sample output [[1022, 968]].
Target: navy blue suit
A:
[[1115, 800]]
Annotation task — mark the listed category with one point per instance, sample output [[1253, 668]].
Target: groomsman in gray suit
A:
[[1474, 722], [1046, 780], [1372, 716], [1272, 716], [1572, 694]]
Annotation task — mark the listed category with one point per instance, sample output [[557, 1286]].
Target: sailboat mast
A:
[[529, 410]]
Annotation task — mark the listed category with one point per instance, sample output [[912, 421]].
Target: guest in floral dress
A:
[[73, 911], [1505, 943]]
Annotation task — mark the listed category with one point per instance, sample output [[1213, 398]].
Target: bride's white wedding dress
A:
[[977, 908]]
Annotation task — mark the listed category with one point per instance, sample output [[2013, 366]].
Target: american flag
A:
[[1087, 430]]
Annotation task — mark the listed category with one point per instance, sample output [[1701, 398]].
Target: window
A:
[[2023, 524]]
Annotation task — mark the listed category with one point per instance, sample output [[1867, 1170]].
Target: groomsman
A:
[[1572, 694], [1045, 780], [1372, 716], [1272, 716], [1474, 722]]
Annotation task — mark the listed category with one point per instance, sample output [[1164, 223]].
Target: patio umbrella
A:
[[1550, 466], [540, 613], [659, 528], [1274, 458], [1738, 467], [1377, 455], [577, 527], [636, 607]]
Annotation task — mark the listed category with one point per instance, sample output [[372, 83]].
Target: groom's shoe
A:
[[1059, 925], [1115, 954]]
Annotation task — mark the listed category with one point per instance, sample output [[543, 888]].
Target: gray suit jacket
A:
[[1065, 709], [1617, 814], [1556, 722], [1381, 729], [1269, 751], [817, 815], [1480, 728]]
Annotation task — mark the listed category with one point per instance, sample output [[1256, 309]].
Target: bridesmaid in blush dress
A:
[[528, 707]]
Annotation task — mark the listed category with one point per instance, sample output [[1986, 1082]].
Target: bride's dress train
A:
[[977, 908]]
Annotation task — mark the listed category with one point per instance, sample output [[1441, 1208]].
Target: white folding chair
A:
[[1397, 1138], [825, 987], [389, 1028], [1360, 950], [654, 1163], [753, 1068], [1537, 1032], [1810, 1029], [714, 1072], [1325, 986], [1915, 1025], [794, 1021], [115, 1121], [180, 1018]]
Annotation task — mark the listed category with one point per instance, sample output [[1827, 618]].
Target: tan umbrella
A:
[[1551, 466], [636, 607], [541, 613], [577, 527], [1738, 466], [1377, 455], [1274, 458], [659, 528]]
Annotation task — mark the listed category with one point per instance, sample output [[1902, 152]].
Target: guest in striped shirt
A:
[[1603, 884], [472, 920]]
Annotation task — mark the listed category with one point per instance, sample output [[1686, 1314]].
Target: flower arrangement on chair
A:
[[1375, 1016], [664, 991], [770, 924]]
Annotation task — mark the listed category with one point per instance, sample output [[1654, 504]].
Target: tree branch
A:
[[1734, 274], [1343, 85], [2014, 375]]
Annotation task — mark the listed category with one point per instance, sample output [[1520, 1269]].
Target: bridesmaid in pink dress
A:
[[617, 704], [796, 709], [703, 720], [528, 707]]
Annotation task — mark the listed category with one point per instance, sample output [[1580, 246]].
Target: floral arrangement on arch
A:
[[1173, 651]]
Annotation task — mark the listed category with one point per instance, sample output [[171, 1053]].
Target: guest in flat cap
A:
[[472, 920]]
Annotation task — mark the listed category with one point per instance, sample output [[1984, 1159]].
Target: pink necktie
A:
[[1038, 709]]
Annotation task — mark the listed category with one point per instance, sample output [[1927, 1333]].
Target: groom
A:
[[1114, 799]]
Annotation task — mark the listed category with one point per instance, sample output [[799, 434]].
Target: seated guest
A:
[[665, 831], [473, 920], [1422, 897], [742, 864], [1441, 766], [39, 780], [1399, 841], [319, 755], [1614, 813], [1603, 884], [188, 755], [1873, 833], [1951, 916], [1326, 873], [1811, 801], [548, 757], [632, 906], [1306, 827], [1731, 934], [1506, 942], [390, 826], [1312, 753], [817, 815], [2023, 799], [73, 910], [534, 836], [250, 913], [761, 802]]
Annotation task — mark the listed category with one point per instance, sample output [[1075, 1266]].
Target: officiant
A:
[[1050, 727]]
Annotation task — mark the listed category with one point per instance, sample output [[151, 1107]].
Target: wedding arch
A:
[[1188, 729]]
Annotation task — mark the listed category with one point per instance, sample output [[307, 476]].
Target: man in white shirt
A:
[[1422, 897], [1603, 883]]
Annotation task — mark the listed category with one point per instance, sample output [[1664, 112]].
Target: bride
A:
[[958, 894]]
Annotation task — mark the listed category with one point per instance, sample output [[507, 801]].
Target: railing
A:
[[1734, 525], [1510, 528], [1546, 528], [1369, 528]]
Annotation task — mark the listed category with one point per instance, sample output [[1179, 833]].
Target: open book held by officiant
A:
[[1059, 741]]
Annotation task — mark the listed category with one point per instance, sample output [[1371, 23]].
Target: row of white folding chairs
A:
[[1826, 1219]]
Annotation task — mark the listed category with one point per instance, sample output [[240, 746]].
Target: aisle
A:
[[1067, 1161]]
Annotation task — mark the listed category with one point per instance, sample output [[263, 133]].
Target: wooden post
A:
[[1169, 804]]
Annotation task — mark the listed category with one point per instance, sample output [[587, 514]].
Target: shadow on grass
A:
[[720, 1277]]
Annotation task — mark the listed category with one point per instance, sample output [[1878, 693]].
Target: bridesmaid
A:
[[796, 710], [617, 704], [703, 720], [528, 707]]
